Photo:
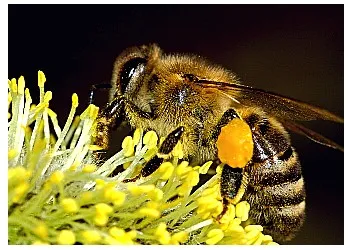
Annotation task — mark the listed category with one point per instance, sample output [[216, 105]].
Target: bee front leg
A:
[[108, 119], [165, 149]]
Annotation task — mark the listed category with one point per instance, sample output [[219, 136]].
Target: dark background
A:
[[294, 50]]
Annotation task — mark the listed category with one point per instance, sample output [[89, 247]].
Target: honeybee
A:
[[188, 99]]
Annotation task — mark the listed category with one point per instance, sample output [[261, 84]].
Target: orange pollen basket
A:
[[235, 144]]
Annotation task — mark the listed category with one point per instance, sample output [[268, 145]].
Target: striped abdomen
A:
[[275, 188]]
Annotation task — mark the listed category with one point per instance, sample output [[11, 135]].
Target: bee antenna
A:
[[94, 87]]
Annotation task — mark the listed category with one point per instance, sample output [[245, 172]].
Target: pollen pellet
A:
[[235, 144]]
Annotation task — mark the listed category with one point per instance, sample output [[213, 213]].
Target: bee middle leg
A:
[[165, 149]]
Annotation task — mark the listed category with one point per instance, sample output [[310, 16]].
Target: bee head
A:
[[130, 69], [166, 86]]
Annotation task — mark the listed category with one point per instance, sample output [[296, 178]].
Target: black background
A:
[[294, 50]]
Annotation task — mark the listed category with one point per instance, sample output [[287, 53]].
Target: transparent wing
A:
[[284, 108], [276, 105], [312, 135]]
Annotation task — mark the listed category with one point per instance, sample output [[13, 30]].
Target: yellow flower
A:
[[150, 212], [150, 139], [57, 177], [179, 237], [91, 236], [214, 236], [69, 205], [103, 208], [89, 168], [242, 210], [162, 235], [166, 169], [156, 194], [41, 230], [128, 146], [66, 237], [120, 236], [19, 191], [115, 196]]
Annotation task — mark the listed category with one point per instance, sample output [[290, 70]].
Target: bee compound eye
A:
[[131, 70]]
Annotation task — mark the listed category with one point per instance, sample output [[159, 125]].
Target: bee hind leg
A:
[[232, 187], [225, 203], [165, 149], [232, 181]]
